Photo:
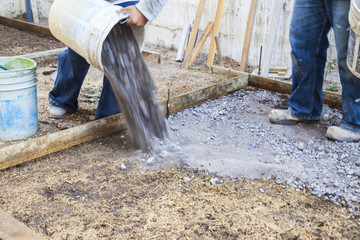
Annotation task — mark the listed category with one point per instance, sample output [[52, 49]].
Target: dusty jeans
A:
[[311, 22]]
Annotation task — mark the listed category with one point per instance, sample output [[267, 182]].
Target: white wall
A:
[[12, 8], [167, 28]]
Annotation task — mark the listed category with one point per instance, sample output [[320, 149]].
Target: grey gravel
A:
[[232, 136]]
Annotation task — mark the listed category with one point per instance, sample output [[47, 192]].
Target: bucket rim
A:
[[34, 64]]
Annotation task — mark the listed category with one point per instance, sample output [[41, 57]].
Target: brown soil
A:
[[83, 193]]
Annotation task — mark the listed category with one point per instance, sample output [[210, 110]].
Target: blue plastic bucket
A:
[[18, 98]]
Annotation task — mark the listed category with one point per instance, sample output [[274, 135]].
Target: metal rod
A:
[[168, 105], [260, 61]]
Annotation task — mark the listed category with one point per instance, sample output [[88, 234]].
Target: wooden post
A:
[[219, 50], [201, 42], [215, 32], [269, 48], [193, 34], [249, 28]]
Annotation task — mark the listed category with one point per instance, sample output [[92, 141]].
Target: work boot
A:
[[342, 134], [56, 112], [283, 116]]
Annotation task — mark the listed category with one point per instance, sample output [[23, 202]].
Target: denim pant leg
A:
[[72, 69], [350, 83], [108, 105], [308, 38]]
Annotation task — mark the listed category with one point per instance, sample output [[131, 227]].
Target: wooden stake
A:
[[249, 27], [215, 32], [219, 50], [12, 229], [201, 42], [193, 34]]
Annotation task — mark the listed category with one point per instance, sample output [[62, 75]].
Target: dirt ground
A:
[[86, 192]]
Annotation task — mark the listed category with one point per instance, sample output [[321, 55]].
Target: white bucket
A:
[[353, 55], [18, 99], [83, 26]]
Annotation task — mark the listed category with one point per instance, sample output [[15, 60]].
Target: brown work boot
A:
[[283, 116], [342, 134]]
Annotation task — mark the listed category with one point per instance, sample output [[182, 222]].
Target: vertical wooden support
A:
[[215, 32], [269, 48], [219, 50], [201, 42], [248, 32], [34, 9], [193, 34]]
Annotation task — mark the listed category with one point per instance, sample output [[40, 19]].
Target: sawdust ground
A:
[[83, 193]]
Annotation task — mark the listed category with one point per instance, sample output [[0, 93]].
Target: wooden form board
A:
[[215, 32], [25, 26], [330, 98], [12, 229], [193, 34], [34, 148], [248, 33]]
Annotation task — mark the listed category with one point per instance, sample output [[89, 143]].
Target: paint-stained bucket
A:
[[18, 98], [83, 26], [353, 55]]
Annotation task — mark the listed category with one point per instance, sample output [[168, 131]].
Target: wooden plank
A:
[[217, 41], [201, 42], [225, 71], [271, 39], [330, 98], [25, 26], [34, 9], [215, 91], [151, 56], [183, 41], [34, 148], [248, 33], [12, 229], [34, 55], [193, 34], [215, 32]]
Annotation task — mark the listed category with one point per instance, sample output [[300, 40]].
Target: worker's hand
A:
[[136, 17]]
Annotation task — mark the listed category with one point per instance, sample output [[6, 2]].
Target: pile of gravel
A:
[[232, 136]]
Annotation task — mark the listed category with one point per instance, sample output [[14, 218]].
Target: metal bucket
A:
[[18, 98], [353, 54], [83, 26]]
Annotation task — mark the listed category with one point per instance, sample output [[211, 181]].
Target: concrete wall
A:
[[12, 8], [167, 28]]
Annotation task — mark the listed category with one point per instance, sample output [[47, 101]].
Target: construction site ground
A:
[[85, 192]]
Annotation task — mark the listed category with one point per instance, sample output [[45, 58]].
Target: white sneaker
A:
[[283, 116], [342, 135], [56, 112]]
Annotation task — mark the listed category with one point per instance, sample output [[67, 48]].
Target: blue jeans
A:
[[310, 24], [72, 69]]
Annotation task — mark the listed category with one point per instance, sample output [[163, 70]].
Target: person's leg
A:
[[108, 105], [308, 38], [72, 69], [350, 83], [309, 43]]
